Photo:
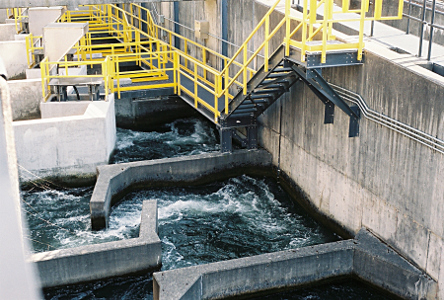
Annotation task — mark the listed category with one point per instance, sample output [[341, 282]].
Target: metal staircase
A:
[[265, 87]]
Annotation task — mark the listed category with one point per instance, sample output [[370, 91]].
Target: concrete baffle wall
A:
[[39, 17], [13, 54], [365, 257], [25, 98], [66, 146], [59, 38], [117, 179], [100, 261]]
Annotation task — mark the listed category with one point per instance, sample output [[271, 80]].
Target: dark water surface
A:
[[238, 217]]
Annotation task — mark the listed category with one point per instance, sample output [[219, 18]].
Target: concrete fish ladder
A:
[[365, 257]]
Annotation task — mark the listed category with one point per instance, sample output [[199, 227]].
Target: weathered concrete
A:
[[382, 179], [18, 276], [59, 38], [148, 113], [365, 257], [39, 17], [71, 146], [13, 54], [93, 262], [26, 96], [114, 179], [7, 32]]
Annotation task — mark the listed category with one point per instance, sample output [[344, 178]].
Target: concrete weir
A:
[[116, 179], [365, 257], [93, 262]]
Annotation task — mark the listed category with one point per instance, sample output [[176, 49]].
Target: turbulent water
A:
[[238, 217], [181, 137]]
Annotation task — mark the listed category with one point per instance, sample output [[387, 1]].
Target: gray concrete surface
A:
[[18, 279], [26, 96], [116, 179], [93, 262], [13, 54], [67, 148], [364, 257]]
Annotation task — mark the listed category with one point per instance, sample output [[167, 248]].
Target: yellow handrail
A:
[[309, 31]]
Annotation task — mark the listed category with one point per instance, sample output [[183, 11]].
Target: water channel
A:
[[238, 217]]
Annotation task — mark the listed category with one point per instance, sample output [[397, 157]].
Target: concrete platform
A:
[[93, 262], [365, 257], [115, 180]]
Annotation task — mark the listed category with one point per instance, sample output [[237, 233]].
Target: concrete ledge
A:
[[93, 262], [114, 179], [293, 268]]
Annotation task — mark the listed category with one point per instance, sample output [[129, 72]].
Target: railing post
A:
[[304, 30], [267, 29], [175, 72], [195, 85], [287, 27], [361, 28], [245, 69], [226, 77]]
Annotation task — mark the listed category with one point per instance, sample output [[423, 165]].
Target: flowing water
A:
[[238, 217]]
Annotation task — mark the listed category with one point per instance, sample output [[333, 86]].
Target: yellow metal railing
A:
[[311, 30], [19, 15], [46, 68], [34, 47]]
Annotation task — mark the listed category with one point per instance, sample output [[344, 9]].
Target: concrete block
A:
[[59, 38], [25, 98], [7, 32], [93, 262], [14, 54], [39, 17], [67, 146], [33, 74]]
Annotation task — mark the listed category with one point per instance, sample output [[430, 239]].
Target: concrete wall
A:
[[381, 180], [93, 262], [13, 54], [66, 146], [25, 98], [7, 32]]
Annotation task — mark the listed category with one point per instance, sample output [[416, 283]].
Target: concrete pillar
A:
[[18, 276], [39, 17], [59, 38]]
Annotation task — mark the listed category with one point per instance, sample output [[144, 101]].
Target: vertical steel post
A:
[[421, 34], [176, 24], [407, 31], [224, 25], [429, 54]]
